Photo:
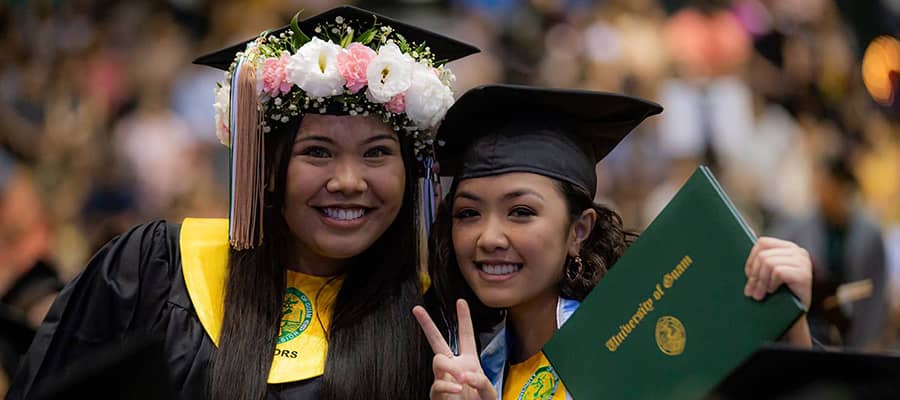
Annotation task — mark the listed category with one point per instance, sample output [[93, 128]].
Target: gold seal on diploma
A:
[[670, 335]]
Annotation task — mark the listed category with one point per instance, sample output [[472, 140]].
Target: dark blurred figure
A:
[[28, 282], [109, 210], [849, 302]]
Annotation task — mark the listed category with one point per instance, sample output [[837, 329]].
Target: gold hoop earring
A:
[[579, 269]]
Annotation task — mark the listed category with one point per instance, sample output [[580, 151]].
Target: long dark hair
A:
[[600, 250], [375, 348]]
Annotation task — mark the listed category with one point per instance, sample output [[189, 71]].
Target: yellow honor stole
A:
[[305, 313], [533, 379]]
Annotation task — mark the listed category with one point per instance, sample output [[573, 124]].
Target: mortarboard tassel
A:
[[428, 197], [247, 161]]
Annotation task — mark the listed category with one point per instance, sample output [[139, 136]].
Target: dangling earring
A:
[[579, 268]]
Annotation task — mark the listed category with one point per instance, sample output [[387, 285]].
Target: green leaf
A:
[[421, 48], [299, 38], [367, 36], [402, 43], [440, 62], [344, 99], [348, 38]]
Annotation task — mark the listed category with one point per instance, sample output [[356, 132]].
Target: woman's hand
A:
[[773, 262], [456, 377]]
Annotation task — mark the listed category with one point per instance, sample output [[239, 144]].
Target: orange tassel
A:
[[248, 162]]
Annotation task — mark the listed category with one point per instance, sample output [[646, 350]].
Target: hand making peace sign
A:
[[456, 377]]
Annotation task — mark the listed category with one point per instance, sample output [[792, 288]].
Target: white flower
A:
[[447, 76], [427, 99], [389, 73], [314, 69], [222, 107]]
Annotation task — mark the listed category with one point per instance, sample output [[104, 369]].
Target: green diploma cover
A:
[[670, 319]]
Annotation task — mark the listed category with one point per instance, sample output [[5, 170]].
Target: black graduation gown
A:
[[132, 287]]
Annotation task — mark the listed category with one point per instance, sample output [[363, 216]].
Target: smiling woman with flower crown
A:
[[304, 291]]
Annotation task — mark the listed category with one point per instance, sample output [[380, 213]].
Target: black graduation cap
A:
[[559, 133], [443, 47], [778, 372], [131, 369]]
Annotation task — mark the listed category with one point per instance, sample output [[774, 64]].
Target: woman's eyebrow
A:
[[508, 196], [522, 192], [468, 195], [383, 136], [315, 138]]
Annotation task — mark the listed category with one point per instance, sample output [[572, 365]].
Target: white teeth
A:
[[500, 269], [344, 214]]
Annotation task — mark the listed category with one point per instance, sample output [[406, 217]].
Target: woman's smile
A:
[[497, 270], [345, 216]]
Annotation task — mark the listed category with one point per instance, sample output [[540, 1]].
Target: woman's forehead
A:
[[506, 184], [343, 126]]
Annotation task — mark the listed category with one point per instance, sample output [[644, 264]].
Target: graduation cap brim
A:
[[443, 47], [597, 121], [778, 372]]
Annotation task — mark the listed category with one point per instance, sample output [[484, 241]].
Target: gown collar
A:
[[302, 345], [496, 353]]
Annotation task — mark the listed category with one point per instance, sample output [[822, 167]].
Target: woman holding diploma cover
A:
[[520, 240]]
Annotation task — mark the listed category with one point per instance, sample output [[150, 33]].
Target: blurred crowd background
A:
[[105, 123]]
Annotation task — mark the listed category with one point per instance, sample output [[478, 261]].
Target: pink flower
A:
[[352, 63], [274, 78], [397, 104]]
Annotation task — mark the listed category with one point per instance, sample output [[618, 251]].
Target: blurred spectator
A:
[[28, 283], [849, 305]]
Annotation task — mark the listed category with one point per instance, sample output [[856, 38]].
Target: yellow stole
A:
[[533, 379], [306, 311]]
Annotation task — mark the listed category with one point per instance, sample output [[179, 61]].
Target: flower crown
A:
[[339, 70]]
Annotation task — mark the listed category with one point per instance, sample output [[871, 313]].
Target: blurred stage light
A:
[[881, 69]]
